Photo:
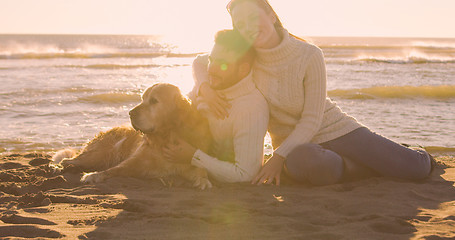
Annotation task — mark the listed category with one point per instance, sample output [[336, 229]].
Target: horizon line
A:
[[164, 35]]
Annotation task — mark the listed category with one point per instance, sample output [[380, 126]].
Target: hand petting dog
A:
[[179, 151]]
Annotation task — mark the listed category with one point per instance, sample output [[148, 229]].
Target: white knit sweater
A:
[[292, 78], [239, 137]]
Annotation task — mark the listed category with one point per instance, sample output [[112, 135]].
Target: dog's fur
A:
[[163, 115]]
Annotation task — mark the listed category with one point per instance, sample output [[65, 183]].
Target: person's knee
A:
[[312, 163], [327, 170], [308, 151]]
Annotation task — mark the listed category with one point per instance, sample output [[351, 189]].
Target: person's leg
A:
[[381, 154], [314, 164]]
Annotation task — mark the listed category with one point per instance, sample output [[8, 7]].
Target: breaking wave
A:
[[93, 55], [40, 50], [431, 92], [406, 59]]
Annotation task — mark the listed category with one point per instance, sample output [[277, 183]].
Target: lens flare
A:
[[224, 67]]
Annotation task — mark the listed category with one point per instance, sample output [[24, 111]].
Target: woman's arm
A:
[[311, 118], [315, 94], [203, 93], [200, 75]]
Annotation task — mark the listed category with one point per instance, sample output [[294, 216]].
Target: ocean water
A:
[[58, 91]]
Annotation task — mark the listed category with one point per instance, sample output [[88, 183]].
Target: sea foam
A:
[[431, 92]]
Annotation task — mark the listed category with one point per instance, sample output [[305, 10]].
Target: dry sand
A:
[[35, 202]]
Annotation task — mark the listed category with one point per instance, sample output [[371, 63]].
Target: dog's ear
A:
[[183, 112], [182, 103]]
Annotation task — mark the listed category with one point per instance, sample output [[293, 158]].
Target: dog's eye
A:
[[153, 101]]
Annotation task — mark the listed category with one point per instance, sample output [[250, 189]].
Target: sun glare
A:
[[199, 19]]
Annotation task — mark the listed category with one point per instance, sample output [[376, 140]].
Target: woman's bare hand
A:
[[179, 152], [270, 171], [216, 103]]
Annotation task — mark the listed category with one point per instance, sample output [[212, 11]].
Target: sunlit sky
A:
[[193, 19]]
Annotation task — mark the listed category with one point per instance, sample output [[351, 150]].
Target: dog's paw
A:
[[93, 177], [202, 183], [55, 169]]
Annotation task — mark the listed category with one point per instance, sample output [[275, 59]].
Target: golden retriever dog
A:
[[163, 115]]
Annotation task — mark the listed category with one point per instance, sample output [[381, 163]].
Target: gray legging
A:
[[330, 162]]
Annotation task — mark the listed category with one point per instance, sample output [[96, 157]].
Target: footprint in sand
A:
[[12, 165], [96, 235], [39, 161], [26, 231], [423, 218], [398, 226], [138, 206], [16, 219], [37, 210]]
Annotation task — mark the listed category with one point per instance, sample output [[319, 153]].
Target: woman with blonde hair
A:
[[313, 139]]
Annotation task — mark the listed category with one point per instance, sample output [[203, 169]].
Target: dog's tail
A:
[[62, 154]]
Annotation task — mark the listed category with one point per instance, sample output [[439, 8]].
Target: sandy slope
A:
[[37, 203]]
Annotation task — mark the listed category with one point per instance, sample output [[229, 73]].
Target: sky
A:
[[193, 19]]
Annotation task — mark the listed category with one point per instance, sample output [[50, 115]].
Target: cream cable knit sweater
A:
[[292, 78], [240, 137]]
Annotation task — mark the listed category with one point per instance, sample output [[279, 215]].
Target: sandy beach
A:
[[72, 69], [36, 202]]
